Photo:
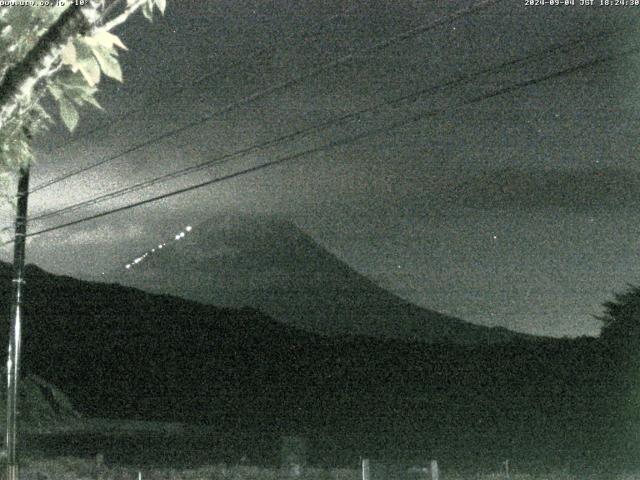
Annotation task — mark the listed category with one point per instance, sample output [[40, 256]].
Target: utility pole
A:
[[17, 85], [13, 360], [16, 88]]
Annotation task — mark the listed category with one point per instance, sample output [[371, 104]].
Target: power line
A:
[[341, 142], [482, 4], [464, 78], [179, 91]]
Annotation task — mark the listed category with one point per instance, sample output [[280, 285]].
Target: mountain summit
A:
[[273, 266]]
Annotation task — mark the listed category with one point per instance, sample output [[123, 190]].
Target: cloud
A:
[[103, 233]]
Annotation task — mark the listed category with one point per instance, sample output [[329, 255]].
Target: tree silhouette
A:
[[621, 318]]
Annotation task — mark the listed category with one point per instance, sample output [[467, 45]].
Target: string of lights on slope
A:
[[179, 236]]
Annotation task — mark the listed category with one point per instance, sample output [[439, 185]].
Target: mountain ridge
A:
[[271, 265], [119, 352]]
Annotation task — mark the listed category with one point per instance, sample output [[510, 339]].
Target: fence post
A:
[[293, 455], [366, 470], [434, 470]]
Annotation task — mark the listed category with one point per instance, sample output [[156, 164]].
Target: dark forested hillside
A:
[[120, 352]]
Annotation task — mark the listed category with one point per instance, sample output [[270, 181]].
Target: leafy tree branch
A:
[[57, 51]]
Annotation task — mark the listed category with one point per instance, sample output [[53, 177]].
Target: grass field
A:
[[73, 468], [175, 451]]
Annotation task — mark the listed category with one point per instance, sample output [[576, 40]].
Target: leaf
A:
[[87, 64], [90, 69], [108, 63], [147, 10], [162, 5], [83, 96], [55, 91], [73, 90], [107, 39], [40, 119], [41, 114], [68, 113], [69, 56], [72, 80], [91, 99]]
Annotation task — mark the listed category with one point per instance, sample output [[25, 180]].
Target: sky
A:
[[520, 210]]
